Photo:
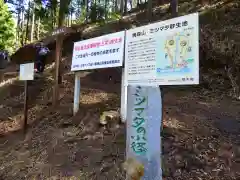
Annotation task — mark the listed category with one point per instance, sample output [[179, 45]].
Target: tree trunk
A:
[[122, 7], [125, 6], [131, 4], [28, 17], [68, 20], [174, 8], [33, 22], [106, 12], [18, 25], [87, 11], [64, 4], [71, 18], [22, 25], [65, 21], [52, 14], [38, 28], [150, 10], [116, 6]]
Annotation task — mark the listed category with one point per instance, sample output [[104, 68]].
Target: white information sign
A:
[[164, 53], [100, 52], [26, 72], [144, 120]]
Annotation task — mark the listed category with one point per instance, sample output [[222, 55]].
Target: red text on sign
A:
[[98, 44]]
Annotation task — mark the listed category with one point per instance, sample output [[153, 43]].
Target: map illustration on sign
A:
[[175, 54]]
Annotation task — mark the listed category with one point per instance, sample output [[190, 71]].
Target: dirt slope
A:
[[200, 136]]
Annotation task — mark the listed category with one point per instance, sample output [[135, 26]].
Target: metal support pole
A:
[[25, 106], [123, 109], [76, 94]]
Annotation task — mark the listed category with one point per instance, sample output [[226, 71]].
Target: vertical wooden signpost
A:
[[57, 63], [57, 33], [1, 75], [164, 53], [26, 74]]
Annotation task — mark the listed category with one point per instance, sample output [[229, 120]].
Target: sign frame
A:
[[145, 66], [26, 72], [86, 53]]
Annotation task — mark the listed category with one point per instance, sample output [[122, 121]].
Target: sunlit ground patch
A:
[[12, 125], [8, 82], [173, 123], [16, 122], [92, 96]]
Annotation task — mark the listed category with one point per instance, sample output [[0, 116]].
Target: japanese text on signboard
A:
[[169, 48], [97, 63], [97, 53], [100, 52], [98, 44], [161, 28], [138, 142]]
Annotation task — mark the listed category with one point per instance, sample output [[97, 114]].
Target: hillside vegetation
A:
[[201, 124], [219, 40]]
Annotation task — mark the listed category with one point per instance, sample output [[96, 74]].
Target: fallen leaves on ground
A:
[[58, 145]]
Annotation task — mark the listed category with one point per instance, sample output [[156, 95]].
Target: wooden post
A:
[[174, 8], [76, 94], [25, 106], [1, 75], [60, 71], [150, 10], [57, 71]]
